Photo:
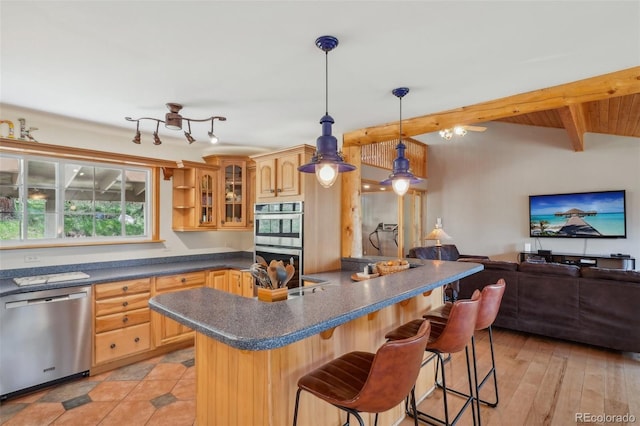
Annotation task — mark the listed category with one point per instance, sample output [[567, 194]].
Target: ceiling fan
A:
[[459, 130]]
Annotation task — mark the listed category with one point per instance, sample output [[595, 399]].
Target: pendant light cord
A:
[[326, 82]]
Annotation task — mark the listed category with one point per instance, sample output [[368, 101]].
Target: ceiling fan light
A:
[[446, 134], [460, 130]]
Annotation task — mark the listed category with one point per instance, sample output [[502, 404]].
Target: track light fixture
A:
[[401, 177], [327, 162], [173, 120]]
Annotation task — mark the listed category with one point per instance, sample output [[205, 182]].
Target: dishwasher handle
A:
[[46, 299]]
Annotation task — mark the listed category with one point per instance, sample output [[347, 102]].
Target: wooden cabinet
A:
[[121, 324], [232, 281], [233, 184], [251, 193], [218, 280], [278, 176], [195, 205], [235, 282], [248, 284], [236, 191], [166, 330]]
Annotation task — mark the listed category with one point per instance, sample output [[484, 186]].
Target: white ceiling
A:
[[256, 62]]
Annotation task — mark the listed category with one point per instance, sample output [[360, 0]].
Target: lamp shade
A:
[[437, 234]]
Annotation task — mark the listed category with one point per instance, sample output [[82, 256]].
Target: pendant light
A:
[[401, 177], [327, 162]]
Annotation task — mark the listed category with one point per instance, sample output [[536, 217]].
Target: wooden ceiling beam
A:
[[575, 120], [620, 83]]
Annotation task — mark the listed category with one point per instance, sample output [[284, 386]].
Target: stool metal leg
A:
[[470, 399]]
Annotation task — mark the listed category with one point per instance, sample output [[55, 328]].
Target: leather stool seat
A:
[[365, 382]]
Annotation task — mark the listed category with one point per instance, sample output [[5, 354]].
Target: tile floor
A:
[[158, 391]]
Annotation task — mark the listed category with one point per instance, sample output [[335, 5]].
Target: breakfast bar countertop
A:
[[250, 324]]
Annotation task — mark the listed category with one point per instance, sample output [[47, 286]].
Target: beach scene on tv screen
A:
[[593, 214]]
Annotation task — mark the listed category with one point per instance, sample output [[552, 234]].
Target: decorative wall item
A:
[[10, 124], [24, 132]]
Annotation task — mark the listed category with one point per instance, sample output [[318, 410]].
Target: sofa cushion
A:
[[499, 264], [550, 269], [611, 274], [447, 252]]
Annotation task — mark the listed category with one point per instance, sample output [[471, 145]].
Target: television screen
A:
[[579, 215]]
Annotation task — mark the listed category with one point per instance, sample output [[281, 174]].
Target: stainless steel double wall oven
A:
[[278, 234]]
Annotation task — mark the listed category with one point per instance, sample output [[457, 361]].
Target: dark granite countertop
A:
[[251, 324], [104, 272]]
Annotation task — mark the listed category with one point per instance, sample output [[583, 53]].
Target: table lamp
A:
[[438, 234]]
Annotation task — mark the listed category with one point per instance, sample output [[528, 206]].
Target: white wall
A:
[[56, 130], [479, 185]]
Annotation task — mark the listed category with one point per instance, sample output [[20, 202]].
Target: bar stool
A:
[[489, 306], [365, 382], [447, 337]]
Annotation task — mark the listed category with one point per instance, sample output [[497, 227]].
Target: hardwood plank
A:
[[547, 382]]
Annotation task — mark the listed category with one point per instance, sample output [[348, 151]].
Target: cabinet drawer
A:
[[122, 288], [176, 282], [121, 320], [122, 304], [118, 343]]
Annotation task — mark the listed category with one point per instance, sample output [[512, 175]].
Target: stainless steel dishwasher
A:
[[45, 336]]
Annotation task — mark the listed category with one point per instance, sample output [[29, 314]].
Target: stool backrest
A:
[[491, 299], [460, 326], [393, 373]]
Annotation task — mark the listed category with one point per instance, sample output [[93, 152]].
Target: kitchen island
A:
[[250, 354]]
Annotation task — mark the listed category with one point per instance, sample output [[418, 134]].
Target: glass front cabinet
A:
[[234, 194], [234, 187]]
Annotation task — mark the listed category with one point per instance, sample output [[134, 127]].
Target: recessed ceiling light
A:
[[366, 186]]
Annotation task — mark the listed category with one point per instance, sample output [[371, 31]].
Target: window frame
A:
[[28, 150]]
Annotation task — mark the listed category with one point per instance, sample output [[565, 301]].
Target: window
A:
[[52, 201]]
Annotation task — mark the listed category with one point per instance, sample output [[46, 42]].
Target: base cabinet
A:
[[233, 281], [166, 330], [122, 319]]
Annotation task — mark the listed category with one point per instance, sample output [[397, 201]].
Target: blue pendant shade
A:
[[327, 162], [401, 177]]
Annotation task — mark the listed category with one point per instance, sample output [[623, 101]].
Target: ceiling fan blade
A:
[[475, 128]]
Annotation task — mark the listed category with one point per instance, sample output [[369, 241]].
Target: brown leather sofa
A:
[[596, 306]]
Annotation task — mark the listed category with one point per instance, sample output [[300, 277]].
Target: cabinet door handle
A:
[[125, 288], [183, 280], [279, 190], [137, 339], [271, 191], [125, 319], [112, 346]]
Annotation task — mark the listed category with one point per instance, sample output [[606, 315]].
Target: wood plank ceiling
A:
[[608, 104]]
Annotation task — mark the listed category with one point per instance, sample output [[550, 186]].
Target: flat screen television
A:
[[600, 214]]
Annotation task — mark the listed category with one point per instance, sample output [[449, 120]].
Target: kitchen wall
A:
[[57, 130], [479, 185]]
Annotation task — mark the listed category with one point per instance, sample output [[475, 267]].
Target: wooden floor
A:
[[542, 382], [548, 382]]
